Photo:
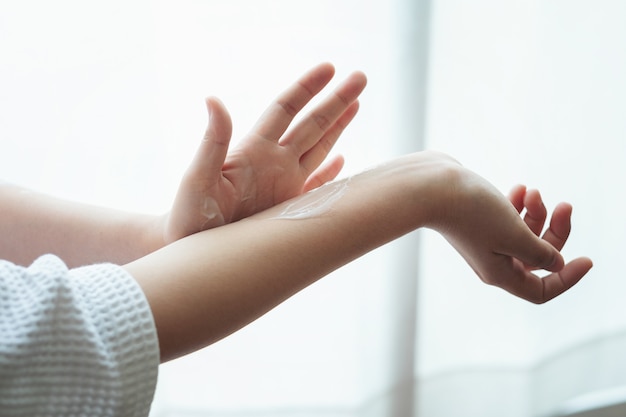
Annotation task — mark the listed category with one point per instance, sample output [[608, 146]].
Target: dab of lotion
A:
[[315, 202], [211, 211]]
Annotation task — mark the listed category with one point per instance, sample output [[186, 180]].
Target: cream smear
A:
[[211, 211], [316, 202]]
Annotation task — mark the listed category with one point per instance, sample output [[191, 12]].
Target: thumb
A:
[[534, 252], [212, 151]]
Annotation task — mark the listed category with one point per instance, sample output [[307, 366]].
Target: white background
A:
[[103, 102]]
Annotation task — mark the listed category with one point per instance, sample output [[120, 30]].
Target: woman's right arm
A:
[[210, 284]]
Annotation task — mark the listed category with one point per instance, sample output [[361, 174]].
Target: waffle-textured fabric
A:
[[74, 343]]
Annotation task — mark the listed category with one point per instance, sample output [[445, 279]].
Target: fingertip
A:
[[357, 82], [516, 196], [534, 203], [339, 162], [556, 262], [213, 103], [210, 99], [541, 254], [332, 168], [561, 281], [209, 103], [360, 76], [325, 173], [324, 69], [560, 225], [585, 263], [220, 123], [518, 188], [209, 111], [329, 66], [565, 208], [574, 271]]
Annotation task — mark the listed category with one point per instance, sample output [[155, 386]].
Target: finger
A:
[[533, 252], [318, 153], [560, 226], [324, 174], [530, 287], [507, 275], [536, 212], [279, 115], [557, 283], [516, 197], [212, 151], [309, 130]]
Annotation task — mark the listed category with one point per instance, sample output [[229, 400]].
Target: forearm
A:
[[32, 224], [209, 285]]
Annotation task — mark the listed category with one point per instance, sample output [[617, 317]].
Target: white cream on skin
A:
[[321, 200], [211, 211], [316, 202]]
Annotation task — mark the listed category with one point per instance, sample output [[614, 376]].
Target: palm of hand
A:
[[258, 175]]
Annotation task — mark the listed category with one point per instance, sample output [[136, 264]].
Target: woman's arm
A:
[[273, 163], [33, 224], [208, 285]]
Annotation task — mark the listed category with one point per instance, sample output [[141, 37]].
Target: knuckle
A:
[[288, 107], [321, 121]]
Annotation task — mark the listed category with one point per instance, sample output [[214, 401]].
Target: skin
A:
[[200, 289], [271, 164], [274, 162]]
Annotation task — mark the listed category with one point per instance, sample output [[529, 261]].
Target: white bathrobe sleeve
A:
[[78, 342]]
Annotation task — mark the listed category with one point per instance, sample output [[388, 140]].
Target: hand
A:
[[504, 249], [271, 164]]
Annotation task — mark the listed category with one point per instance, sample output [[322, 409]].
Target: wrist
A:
[[410, 192], [426, 187]]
